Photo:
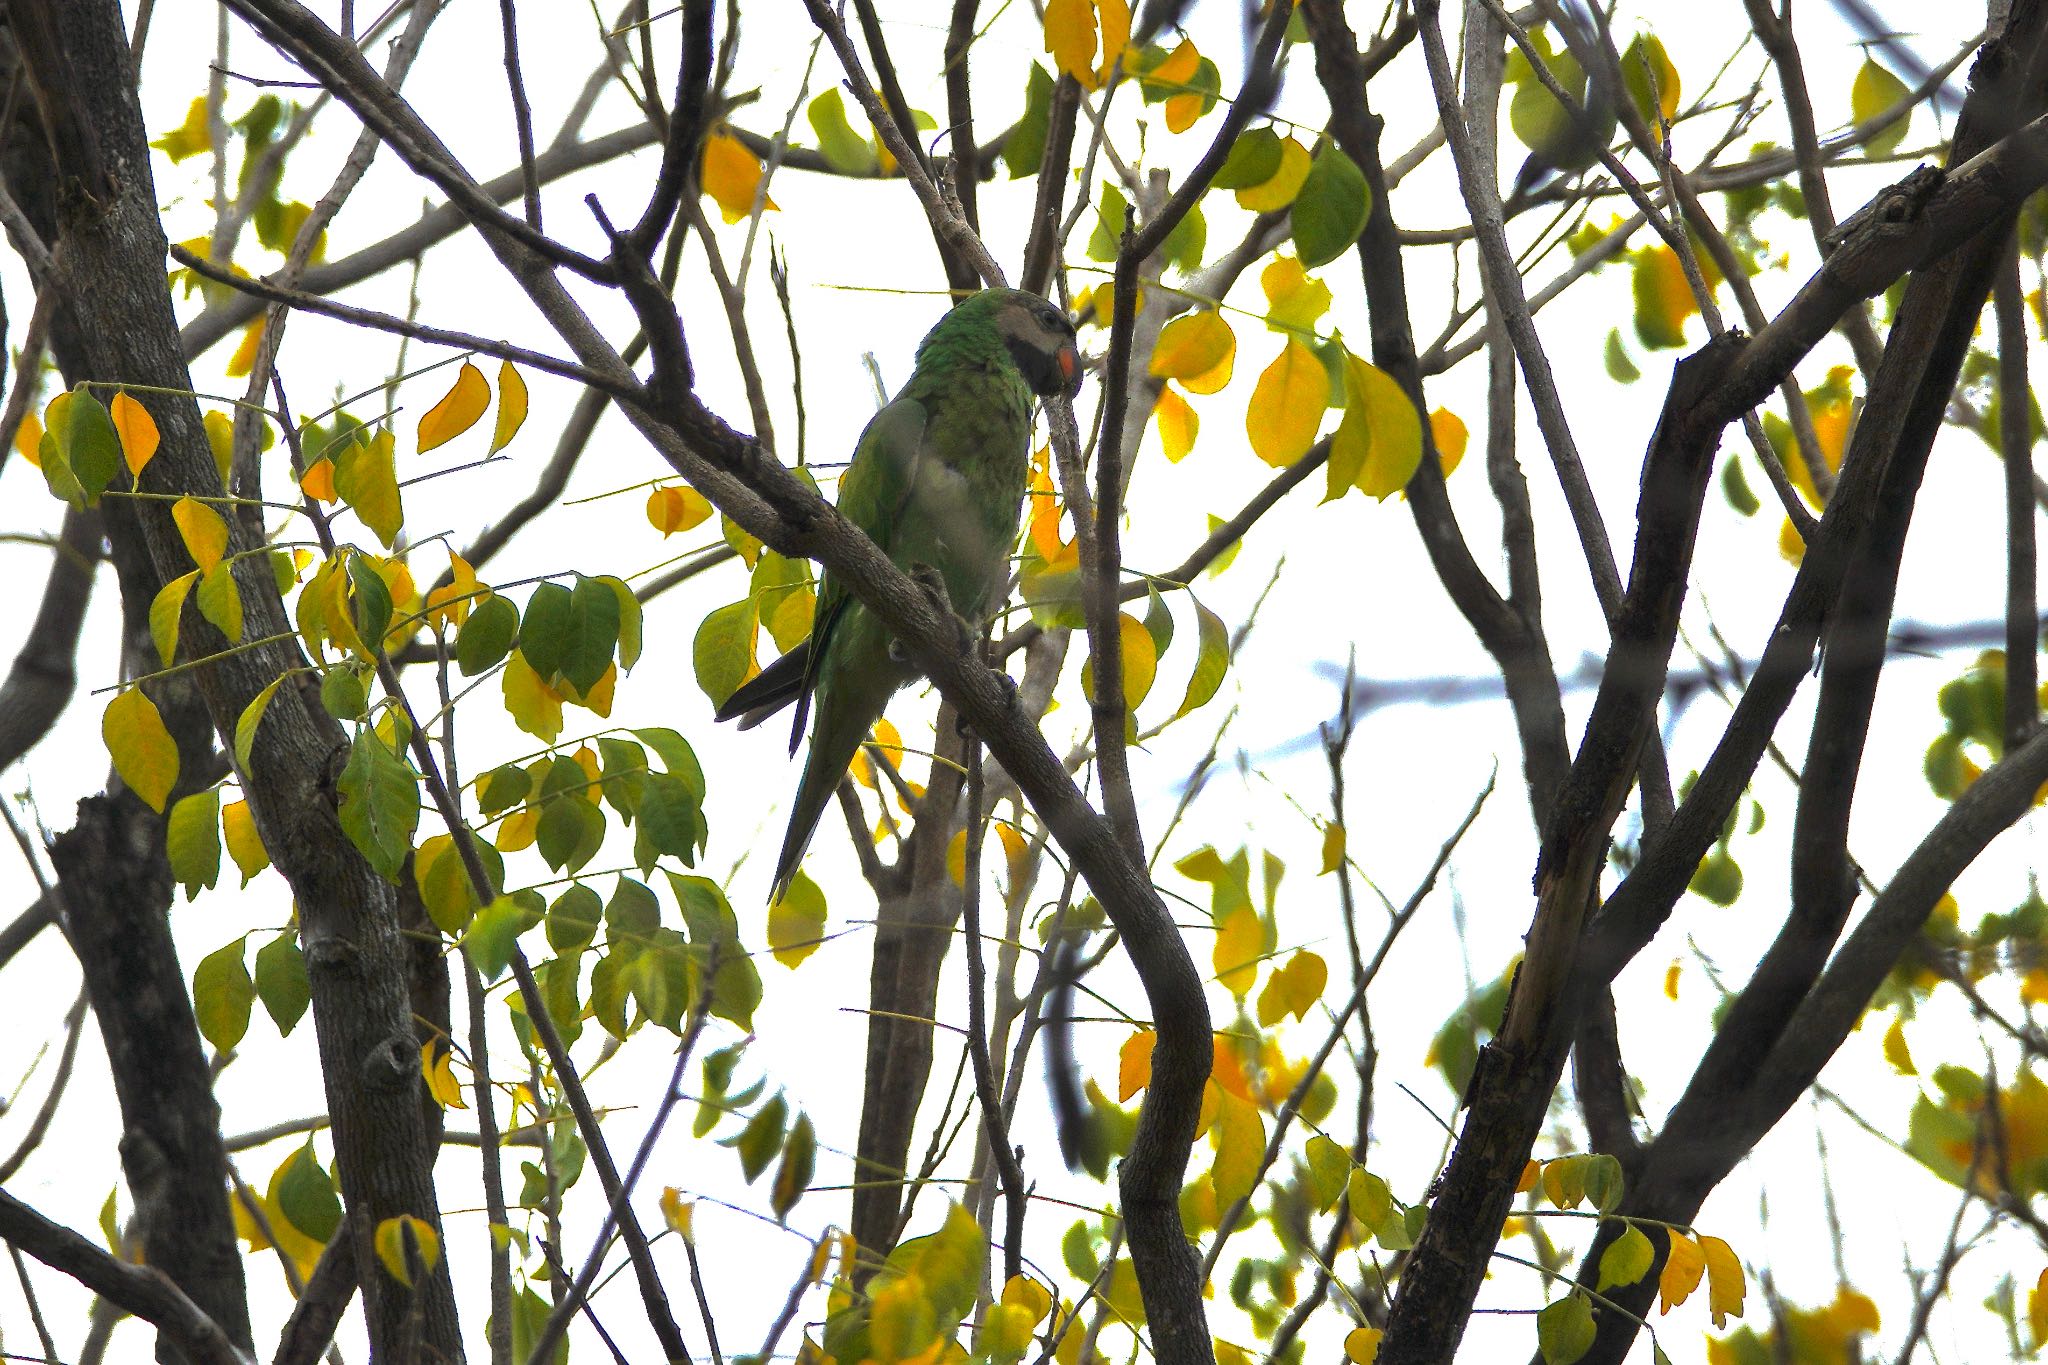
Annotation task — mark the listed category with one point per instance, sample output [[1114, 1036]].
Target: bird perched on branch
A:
[[938, 483]]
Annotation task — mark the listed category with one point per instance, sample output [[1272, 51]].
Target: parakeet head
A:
[[1035, 332]]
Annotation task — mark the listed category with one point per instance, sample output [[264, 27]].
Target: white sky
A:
[[1354, 574]]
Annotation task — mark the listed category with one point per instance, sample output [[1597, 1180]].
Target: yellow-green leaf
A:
[[192, 841], [245, 845], [1650, 78], [1627, 1258], [1379, 443], [201, 528], [221, 996], [1329, 1167], [1212, 660], [458, 409], [367, 480], [142, 749], [189, 138], [1663, 298], [1872, 92], [248, 722], [1565, 1330], [1279, 191], [220, 602], [392, 1238], [511, 407], [1294, 299], [1293, 988], [723, 650], [1239, 1135], [793, 1173], [533, 705], [1287, 405], [164, 611], [847, 150], [796, 922], [137, 430]]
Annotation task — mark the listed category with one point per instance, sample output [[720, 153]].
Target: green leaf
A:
[[502, 788], [88, 442], [1565, 1331], [342, 694], [486, 637], [761, 1139], [1024, 148], [281, 981], [305, 1195], [715, 933], [799, 1164], [545, 627], [629, 620], [1109, 224], [573, 918], [591, 635], [847, 151], [570, 831], [380, 804], [192, 838], [1331, 208], [671, 818], [1183, 246], [164, 611], [221, 996], [251, 719], [1603, 1181], [220, 602], [369, 601], [1620, 368]]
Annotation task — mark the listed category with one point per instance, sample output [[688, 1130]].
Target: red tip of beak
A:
[[1070, 366]]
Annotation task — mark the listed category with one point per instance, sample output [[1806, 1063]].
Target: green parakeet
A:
[[937, 480]]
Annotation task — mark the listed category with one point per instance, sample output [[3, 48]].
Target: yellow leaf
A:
[[1362, 1345], [518, 830], [1671, 980], [28, 439], [796, 923], [678, 1212], [1287, 405], [676, 508], [1114, 17], [1681, 1273], [137, 430], [458, 409], [1278, 191], [391, 1238], [164, 614], [1663, 297], [1725, 1284], [204, 533], [1179, 67], [1447, 430], [245, 845], [368, 483], [1333, 848], [1182, 111], [956, 858], [1140, 661], [534, 706], [244, 358], [1177, 423], [1070, 38], [1293, 988], [1379, 443], [1021, 1291], [1791, 545], [1896, 1051], [1240, 943], [437, 1067], [1134, 1064], [1294, 300], [143, 751], [189, 138], [1198, 349], [1045, 507], [318, 482], [1532, 1171], [449, 603], [731, 175], [1239, 1136], [220, 439], [2037, 1308], [511, 407]]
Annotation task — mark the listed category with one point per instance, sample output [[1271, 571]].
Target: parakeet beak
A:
[[1069, 359]]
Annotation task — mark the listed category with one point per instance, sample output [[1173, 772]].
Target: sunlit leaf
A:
[[1872, 92], [731, 175], [1287, 405], [143, 751], [137, 430]]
